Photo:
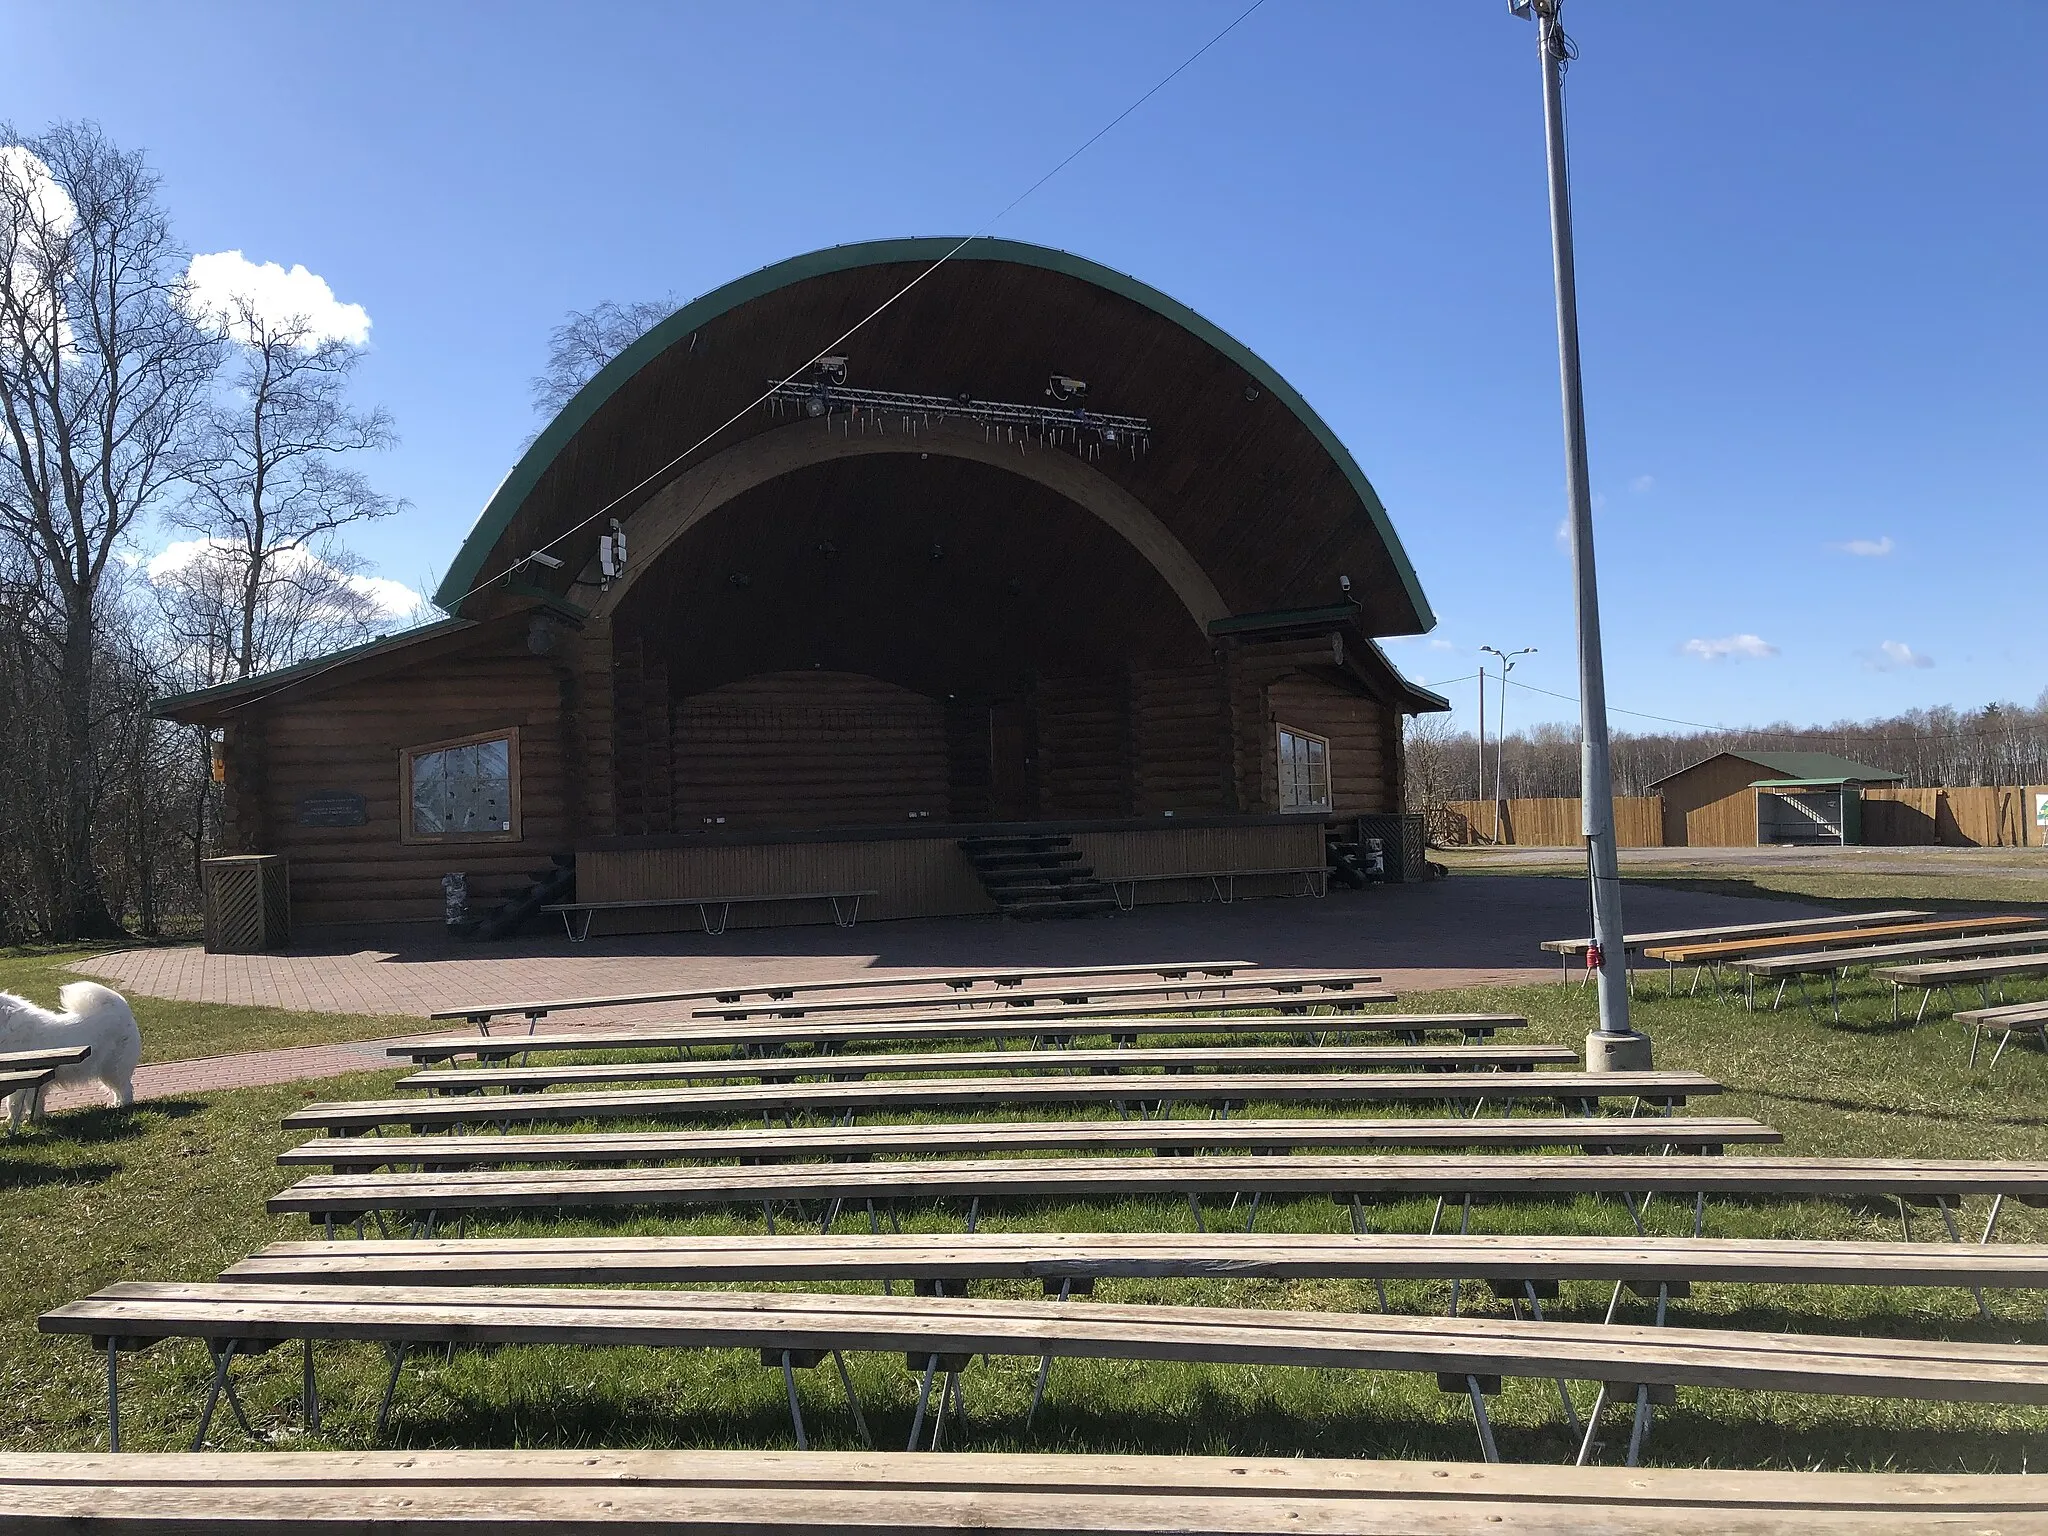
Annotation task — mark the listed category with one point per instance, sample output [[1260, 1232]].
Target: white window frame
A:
[[406, 758], [1288, 781]]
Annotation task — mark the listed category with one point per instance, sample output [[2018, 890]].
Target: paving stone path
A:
[[1463, 932]]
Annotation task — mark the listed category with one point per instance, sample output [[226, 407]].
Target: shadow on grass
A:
[[42, 1175], [102, 1124]]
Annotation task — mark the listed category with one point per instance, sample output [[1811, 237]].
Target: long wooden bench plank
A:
[[847, 1098], [1636, 942], [1272, 988], [775, 1493], [1821, 960], [985, 1137], [1118, 1021], [1056, 1256], [926, 1326], [850, 1067], [956, 980], [1738, 949], [1941, 973], [1531, 1177], [49, 1056]]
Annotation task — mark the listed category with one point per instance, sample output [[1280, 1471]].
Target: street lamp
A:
[[1615, 1046], [1500, 740]]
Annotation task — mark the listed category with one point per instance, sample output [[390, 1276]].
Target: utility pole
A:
[[1614, 1046]]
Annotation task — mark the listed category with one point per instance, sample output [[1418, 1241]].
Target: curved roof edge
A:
[[465, 571]]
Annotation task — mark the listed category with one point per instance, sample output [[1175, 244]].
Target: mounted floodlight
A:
[[886, 410], [542, 557], [1061, 387], [832, 369], [611, 555]]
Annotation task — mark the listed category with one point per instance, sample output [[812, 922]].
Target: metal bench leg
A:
[[1045, 1364], [113, 1393], [309, 1391], [1251, 1220], [222, 1387], [1997, 1201], [860, 1421], [1359, 1226], [973, 1213], [390, 1390], [1592, 1426], [1954, 1236], [1195, 1205], [1486, 1445], [1564, 1392], [1640, 1427], [924, 1394], [796, 1413]]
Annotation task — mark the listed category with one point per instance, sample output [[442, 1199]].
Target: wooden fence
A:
[[1638, 822], [1973, 816]]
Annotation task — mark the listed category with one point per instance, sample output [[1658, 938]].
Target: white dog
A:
[[93, 1015]]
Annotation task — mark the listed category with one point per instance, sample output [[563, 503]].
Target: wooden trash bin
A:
[[248, 904]]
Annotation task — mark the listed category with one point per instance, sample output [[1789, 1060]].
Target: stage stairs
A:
[[1031, 876]]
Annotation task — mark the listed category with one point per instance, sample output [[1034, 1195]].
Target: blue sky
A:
[[1811, 243]]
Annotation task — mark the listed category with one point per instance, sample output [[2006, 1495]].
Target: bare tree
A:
[[100, 373], [587, 340], [269, 492]]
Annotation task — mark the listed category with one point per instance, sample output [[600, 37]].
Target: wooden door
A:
[[1013, 762]]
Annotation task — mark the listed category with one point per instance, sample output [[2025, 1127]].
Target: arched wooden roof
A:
[[1242, 478]]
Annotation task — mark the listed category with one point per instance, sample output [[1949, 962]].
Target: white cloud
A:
[[52, 203], [1643, 483], [1564, 532], [1730, 647], [389, 599], [1897, 656], [1869, 549], [276, 294], [1441, 645]]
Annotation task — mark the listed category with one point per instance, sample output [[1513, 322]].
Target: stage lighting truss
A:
[[1087, 433]]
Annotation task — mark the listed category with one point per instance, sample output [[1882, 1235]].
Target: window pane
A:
[[463, 789]]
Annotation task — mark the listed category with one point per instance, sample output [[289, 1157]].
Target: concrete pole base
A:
[[1617, 1053]]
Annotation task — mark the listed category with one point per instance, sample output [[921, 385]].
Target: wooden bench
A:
[[1290, 985], [1216, 1089], [1835, 963], [855, 1067], [984, 1137], [1314, 878], [1568, 950], [1941, 975], [1726, 950], [770, 1493], [794, 1330], [1119, 1022], [2011, 1019], [1510, 1264], [959, 981], [845, 908], [332, 1199]]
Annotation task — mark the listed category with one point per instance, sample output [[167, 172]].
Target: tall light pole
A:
[[1500, 740], [1615, 1046]]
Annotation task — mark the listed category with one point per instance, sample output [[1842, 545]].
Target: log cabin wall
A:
[[350, 737], [1180, 735], [809, 749], [1083, 747], [1301, 683]]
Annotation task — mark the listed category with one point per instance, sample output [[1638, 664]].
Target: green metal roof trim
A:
[[466, 571], [1806, 783], [257, 682]]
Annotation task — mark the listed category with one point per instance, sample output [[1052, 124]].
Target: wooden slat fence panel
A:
[[1638, 822]]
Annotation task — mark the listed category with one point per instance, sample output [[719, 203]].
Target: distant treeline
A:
[[1933, 748]]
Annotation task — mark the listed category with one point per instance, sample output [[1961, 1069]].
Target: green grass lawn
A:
[[180, 1031], [175, 1191]]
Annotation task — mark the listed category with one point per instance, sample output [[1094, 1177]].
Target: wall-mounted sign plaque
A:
[[333, 808]]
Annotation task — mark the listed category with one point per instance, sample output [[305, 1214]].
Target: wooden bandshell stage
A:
[[821, 649]]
